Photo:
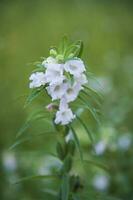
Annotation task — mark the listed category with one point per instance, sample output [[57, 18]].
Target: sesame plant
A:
[[63, 77]]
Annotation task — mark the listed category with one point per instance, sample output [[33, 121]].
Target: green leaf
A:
[[75, 49], [60, 151], [100, 165], [88, 131], [23, 128], [50, 192], [67, 164], [65, 187], [92, 110], [38, 177], [79, 49], [18, 142], [77, 142], [94, 91], [34, 94], [27, 124], [92, 96], [71, 147], [63, 45]]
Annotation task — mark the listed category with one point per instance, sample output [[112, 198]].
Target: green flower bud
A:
[[60, 151], [67, 165], [71, 147], [60, 58], [53, 52]]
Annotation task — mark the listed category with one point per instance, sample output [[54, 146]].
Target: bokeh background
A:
[[27, 30]]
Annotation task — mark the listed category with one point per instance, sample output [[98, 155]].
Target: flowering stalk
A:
[[64, 78]]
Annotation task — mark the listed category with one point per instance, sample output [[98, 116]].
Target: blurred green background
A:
[[27, 30]]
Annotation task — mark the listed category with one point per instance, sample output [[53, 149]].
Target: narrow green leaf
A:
[[63, 45], [94, 91], [81, 49], [89, 95], [23, 128], [67, 164], [92, 110], [18, 142], [50, 192], [88, 131], [65, 187], [100, 165], [38, 177], [77, 142], [34, 94]]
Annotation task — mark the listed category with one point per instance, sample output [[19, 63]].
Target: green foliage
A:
[[106, 29], [65, 188]]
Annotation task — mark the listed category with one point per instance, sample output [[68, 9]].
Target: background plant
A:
[[106, 29]]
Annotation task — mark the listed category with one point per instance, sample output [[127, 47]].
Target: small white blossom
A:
[[74, 67], [72, 91], [9, 161], [101, 182], [56, 91], [64, 115], [82, 79], [54, 73], [37, 79], [49, 60], [124, 142], [100, 147]]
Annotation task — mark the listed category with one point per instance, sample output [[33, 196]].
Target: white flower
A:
[[64, 115], [100, 147], [72, 91], [56, 91], [9, 161], [54, 73], [82, 79], [101, 182], [49, 60], [124, 142], [37, 79], [75, 67]]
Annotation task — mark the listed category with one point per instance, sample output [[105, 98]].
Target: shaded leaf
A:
[[38, 177], [65, 187], [77, 142], [88, 131], [91, 109], [34, 94]]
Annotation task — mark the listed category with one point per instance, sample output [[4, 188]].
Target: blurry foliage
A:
[[28, 28]]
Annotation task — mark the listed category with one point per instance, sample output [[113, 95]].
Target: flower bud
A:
[[67, 165], [53, 52], [51, 107], [60, 58], [71, 147]]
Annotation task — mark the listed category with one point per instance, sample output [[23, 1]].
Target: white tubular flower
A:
[[64, 115], [49, 60], [54, 73], [72, 91], [56, 91], [82, 79], [37, 79], [74, 67]]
